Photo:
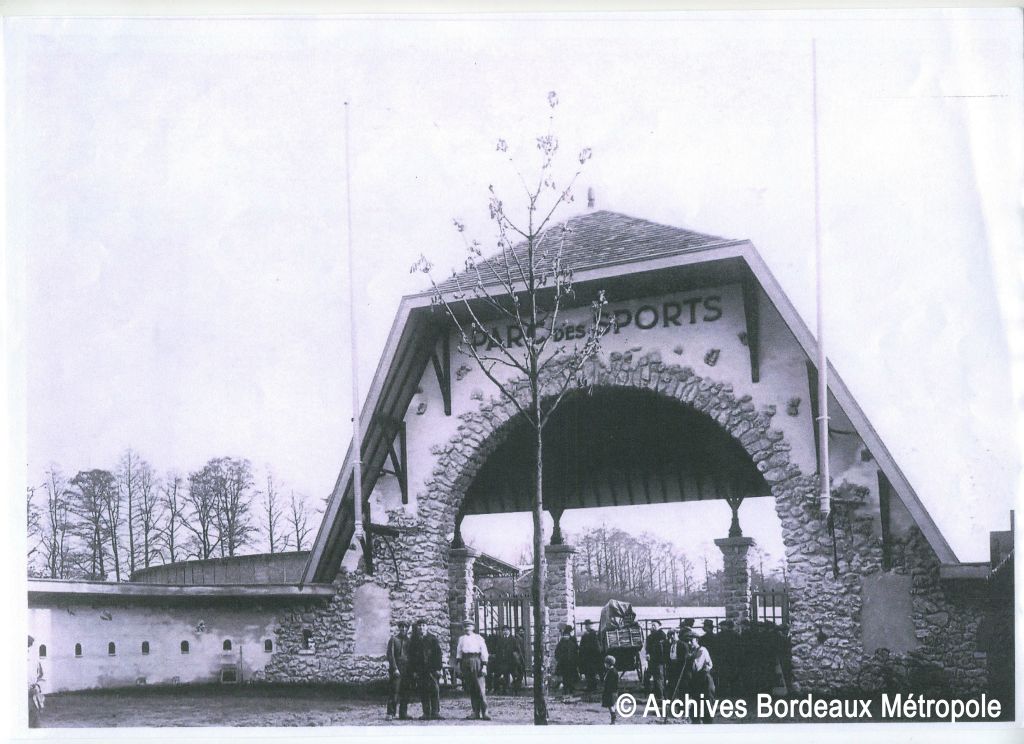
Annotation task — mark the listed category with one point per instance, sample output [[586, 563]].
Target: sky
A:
[[176, 216]]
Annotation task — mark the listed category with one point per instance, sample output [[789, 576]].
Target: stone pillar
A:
[[460, 590], [560, 592], [735, 577]]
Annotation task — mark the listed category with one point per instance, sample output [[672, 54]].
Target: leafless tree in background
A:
[[297, 523], [94, 506], [200, 517], [172, 502], [58, 532], [33, 527], [149, 512], [276, 541], [127, 483]]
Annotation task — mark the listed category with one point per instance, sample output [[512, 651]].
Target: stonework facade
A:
[[825, 629]]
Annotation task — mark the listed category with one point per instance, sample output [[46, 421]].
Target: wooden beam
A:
[[812, 383], [752, 315], [884, 500], [443, 370]]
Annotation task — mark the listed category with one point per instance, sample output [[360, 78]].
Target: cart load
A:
[[621, 636]]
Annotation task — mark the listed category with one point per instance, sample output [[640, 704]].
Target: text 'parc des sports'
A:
[[645, 317]]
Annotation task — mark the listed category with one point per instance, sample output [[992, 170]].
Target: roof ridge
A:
[[601, 237]]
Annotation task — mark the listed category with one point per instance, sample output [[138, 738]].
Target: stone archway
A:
[[484, 430], [826, 605]]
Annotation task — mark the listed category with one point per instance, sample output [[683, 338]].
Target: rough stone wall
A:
[[413, 568], [461, 584], [560, 592], [735, 577], [827, 650], [825, 610]]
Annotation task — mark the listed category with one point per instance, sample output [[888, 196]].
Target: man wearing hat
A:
[[657, 658], [471, 657], [567, 660], [591, 657], [425, 668], [398, 662]]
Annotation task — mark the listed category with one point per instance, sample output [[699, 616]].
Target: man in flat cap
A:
[[471, 657], [398, 662]]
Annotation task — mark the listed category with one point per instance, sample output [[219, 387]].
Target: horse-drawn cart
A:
[[622, 637]]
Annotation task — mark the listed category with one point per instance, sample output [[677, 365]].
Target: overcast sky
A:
[[177, 214]]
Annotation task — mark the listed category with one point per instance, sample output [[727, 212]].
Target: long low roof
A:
[[38, 588]]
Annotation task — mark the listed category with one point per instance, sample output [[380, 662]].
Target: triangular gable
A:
[[411, 344]]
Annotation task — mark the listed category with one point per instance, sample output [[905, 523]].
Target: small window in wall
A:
[[111, 649], [145, 647], [42, 650], [307, 639], [227, 644], [184, 647], [78, 649], [268, 645]]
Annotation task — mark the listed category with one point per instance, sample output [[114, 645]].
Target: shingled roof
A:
[[603, 238]]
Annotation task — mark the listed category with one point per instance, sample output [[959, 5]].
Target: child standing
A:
[[611, 686]]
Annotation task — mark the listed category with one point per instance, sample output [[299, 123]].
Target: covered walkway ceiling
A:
[[616, 447]]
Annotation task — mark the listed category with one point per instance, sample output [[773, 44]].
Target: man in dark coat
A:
[[567, 660], [503, 659], [425, 668], [727, 661], [518, 660], [591, 657], [657, 658], [398, 661]]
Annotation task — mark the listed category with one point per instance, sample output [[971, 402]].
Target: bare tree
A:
[[127, 483], [149, 511], [33, 529], [201, 502], [272, 517], [235, 505], [173, 504], [95, 505], [59, 528], [297, 523], [220, 496], [524, 287]]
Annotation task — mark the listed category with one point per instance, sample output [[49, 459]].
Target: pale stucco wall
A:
[[60, 624]]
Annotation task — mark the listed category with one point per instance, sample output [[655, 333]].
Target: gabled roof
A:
[[607, 250], [600, 238]]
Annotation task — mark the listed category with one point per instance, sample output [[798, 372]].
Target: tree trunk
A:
[[540, 706]]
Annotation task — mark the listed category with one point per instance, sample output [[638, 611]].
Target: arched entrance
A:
[[643, 432]]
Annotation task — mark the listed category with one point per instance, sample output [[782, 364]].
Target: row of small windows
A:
[[268, 646]]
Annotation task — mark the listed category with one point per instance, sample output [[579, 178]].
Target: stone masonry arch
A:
[[484, 430], [826, 604]]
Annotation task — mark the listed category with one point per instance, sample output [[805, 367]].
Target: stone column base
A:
[[735, 577]]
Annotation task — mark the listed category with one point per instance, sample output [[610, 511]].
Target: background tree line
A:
[[106, 524], [646, 571]]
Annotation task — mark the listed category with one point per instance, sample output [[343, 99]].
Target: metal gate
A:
[[770, 607], [493, 609]]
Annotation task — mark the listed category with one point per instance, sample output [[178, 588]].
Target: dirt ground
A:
[[295, 706]]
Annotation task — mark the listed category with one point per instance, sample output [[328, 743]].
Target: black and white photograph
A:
[[438, 371]]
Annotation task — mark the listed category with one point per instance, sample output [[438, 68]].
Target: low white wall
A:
[[59, 625]]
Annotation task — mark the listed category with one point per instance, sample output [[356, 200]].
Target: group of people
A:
[[414, 668], [507, 669], [681, 663], [704, 663]]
